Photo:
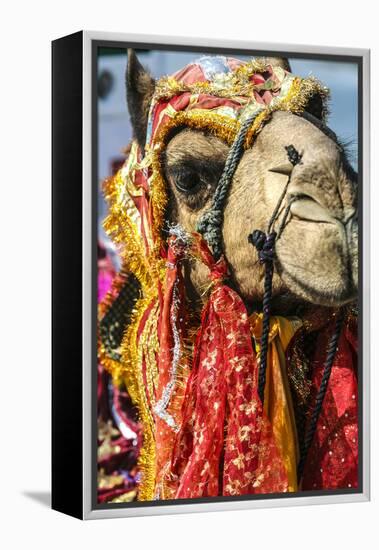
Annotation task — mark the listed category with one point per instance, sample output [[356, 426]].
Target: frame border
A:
[[91, 39], [66, 292]]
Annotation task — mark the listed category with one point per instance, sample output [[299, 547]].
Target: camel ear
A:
[[139, 92], [315, 106], [279, 62]]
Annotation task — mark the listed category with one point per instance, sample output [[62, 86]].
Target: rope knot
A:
[[210, 226], [264, 244], [257, 238], [293, 154]]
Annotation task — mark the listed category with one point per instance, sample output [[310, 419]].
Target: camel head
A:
[[317, 253]]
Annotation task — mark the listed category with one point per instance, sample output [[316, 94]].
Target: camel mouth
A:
[[324, 270]]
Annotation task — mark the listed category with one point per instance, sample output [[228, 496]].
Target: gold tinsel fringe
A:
[[238, 84], [117, 283], [133, 377]]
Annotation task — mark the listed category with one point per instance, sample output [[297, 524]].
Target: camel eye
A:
[[188, 181]]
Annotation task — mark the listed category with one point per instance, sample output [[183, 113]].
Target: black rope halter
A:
[[210, 226], [331, 352], [265, 245]]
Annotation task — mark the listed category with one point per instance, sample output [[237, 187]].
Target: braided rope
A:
[[210, 224], [265, 246], [275, 214], [286, 215], [331, 352]]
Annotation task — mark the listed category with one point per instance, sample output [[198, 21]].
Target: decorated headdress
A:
[[169, 373], [215, 94]]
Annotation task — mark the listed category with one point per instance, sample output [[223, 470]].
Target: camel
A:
[[317, 255], [296, 173]]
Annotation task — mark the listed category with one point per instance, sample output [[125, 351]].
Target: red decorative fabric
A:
[[172, 318], [333, 457], [267, 87], [225, 445]]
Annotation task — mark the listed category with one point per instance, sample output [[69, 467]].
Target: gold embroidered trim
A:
[[132, 357]]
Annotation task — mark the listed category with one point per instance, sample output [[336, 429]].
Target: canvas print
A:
[[227, 275]]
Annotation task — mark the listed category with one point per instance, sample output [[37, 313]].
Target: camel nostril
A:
[[296, 196], [306, 207], [303, 198]]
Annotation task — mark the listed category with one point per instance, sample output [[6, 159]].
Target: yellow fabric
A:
[[278, 401]]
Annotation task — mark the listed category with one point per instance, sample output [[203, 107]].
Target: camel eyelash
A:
[[189, 182], [193, 177]]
